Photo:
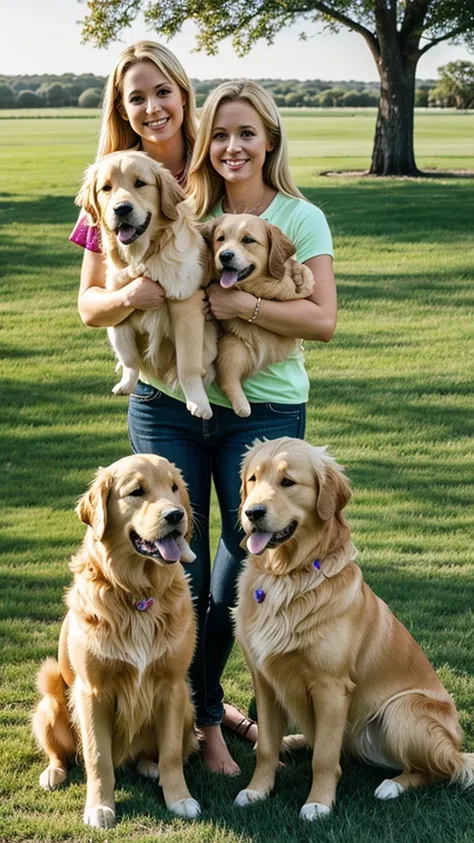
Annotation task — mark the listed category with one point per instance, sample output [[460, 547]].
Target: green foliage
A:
[[7, 96], [28, 99], [90, 98], [456, 85]]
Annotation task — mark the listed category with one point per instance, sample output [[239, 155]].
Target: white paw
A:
[[247, 796], [189, 808], [52, 777], [100, 817], [124, 387], [202, 412], [389, 790], [243, 410], [148, 768], [314, 811]]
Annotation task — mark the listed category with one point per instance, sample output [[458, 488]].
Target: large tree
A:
[[397, 33]]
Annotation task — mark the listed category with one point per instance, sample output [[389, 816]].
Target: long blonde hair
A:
[[204, 185], [116, 133]]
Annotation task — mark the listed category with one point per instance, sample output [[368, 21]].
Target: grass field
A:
[[391, 395]]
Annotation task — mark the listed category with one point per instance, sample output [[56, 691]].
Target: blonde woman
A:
[[239, 164], [149, 104]]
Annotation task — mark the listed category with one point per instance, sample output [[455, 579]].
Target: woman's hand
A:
[[143, 294], [229, 304]]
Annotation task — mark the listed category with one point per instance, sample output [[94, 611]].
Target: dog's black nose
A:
[[256, 512], [226, 257], [123, 208], [174, 516]]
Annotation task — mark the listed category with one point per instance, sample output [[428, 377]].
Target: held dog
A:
[[255, 256], [147, 228], [322, 648], [119, 689]]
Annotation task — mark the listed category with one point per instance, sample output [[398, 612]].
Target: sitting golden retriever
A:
[[257, 257], [322, 648], [119, 688], [147, 228]]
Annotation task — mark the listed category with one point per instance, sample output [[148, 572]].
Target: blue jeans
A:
[[205, 451]]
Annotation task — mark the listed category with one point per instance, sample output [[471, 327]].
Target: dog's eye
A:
[[174, 487], [287, 482], [140, 183], [106, 188], [136, 493], [220, 239], [252, 479], [247, 239]]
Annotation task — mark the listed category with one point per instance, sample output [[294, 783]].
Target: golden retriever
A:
[[322, 648], [119, 689], [147, 228], [255, 256]]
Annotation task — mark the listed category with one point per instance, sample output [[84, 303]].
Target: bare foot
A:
[[239, 723], [215, 753]]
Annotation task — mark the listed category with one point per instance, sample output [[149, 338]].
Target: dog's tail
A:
[[464, 774], [50, 681]]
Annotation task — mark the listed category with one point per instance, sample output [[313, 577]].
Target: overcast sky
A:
[[44, 36]]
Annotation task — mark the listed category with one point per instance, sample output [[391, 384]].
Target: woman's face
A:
[[152, 104], [239, 142]]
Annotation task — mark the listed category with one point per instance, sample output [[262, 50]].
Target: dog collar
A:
[[143, 605], [259, 594]]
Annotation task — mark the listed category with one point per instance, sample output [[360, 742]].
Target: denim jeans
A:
[[205, 451]]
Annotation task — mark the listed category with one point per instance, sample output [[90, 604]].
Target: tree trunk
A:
[[393, 153]]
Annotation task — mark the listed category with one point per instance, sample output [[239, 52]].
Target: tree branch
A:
[[344, 19], [434, 41]]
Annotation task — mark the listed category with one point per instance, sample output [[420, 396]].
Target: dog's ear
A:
[[170, 193], [206, 230], [87, 196], [244, 466], [92, 507], [281, 248], [333, 487]]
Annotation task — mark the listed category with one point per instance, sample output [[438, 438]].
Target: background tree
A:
[[457, 83], [397, 33], [90, 98], [29, 99], [7, 96]]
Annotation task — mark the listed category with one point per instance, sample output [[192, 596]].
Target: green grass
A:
[[391, 395]]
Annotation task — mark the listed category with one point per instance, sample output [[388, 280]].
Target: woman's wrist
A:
[[248, 310]]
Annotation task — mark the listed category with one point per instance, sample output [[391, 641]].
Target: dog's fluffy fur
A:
[[147, 228], [322, 648], [255, 256], [119, 689]]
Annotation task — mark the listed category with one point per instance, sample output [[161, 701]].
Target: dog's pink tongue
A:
[[125, 232], [169, 549], [229, 278], [257, 542]]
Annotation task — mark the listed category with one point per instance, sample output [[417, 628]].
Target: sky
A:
[[50, 42]]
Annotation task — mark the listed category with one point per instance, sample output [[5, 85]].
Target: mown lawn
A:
[[391, 396]]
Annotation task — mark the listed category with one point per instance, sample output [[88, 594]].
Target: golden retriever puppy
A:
[[323, 650], [255, 256], [147, 228], [119, 689]]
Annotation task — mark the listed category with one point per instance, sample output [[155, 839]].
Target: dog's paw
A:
[[389, 789], [242, 410], [247, 796], [200, 411], [314, 811], [189, 808], [124, 387], [148, 768], [100, 817], [52, 777]]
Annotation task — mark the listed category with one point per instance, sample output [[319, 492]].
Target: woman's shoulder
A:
[[284, 206]]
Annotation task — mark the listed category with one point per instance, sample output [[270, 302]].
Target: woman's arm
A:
[[313, 318], [101, 308]]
